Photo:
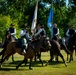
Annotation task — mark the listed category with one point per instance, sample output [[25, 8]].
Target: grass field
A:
[[8, 67]]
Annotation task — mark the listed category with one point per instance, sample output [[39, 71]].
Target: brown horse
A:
[[55, 49], [32, 49], [62, 42], [8, 38]]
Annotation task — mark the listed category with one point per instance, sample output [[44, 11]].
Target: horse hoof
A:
[[65, 64], [16, 67], [69, 61], [45, 64], [30, 68], [0, 65], [42, 64]]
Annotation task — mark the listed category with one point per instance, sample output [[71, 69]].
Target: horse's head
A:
[[8, 34], [45, 42], [55, 38]]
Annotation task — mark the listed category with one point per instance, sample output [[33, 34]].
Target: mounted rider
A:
[[70, 32], [23, 34], [55, 32], [40, 32], [12, 31]]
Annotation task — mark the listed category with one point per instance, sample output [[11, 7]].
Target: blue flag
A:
[[50, 18]]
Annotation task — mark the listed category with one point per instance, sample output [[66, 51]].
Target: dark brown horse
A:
[[62, 42], [55, 49], [71, 45], [8, 38], [32, 49]]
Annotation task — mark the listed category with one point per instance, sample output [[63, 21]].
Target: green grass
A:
[[54, 68]]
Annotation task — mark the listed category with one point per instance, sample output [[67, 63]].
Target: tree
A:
[[4, 24], [22, 12]]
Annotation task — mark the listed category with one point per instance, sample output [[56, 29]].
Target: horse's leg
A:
[[6, 57], [30, 65], [71, 58], [75, 50], [51, 58], [57, 58], [12, 58], [67, 57], [2, 52], [35, 58], [26, 61], [39, 56], [2, 56], [20, 64], [62, 59]]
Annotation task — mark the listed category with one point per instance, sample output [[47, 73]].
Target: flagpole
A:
[[34, 22]]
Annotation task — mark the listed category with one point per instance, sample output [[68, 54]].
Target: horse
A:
[[32, 49], [1, 45], [62, 42], [71, 45], [45, 48], [54, 50], [8, 38]]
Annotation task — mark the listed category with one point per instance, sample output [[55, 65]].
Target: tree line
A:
[[20, 12]]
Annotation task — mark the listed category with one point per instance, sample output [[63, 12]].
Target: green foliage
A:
[[4, 24], [22, 11], [72, 21]]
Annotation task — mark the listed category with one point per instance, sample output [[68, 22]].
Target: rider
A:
[[70, 32], [40, 32], [55, 32], [12, 31], [23, 33]]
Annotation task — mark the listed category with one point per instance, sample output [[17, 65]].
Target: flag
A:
[[50, 18], [34, 19]]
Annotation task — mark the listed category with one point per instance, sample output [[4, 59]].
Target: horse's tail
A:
[[66, 49]]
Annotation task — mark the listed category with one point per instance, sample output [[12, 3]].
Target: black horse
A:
[[71, 45]]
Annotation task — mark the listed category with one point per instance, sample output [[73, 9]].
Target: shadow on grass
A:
[[12, 65], [6, 69], [13, 69]]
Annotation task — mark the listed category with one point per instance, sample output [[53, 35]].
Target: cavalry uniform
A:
[[40, 33], [12, 30], [55, 33], [70, 32], [24, 37]]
